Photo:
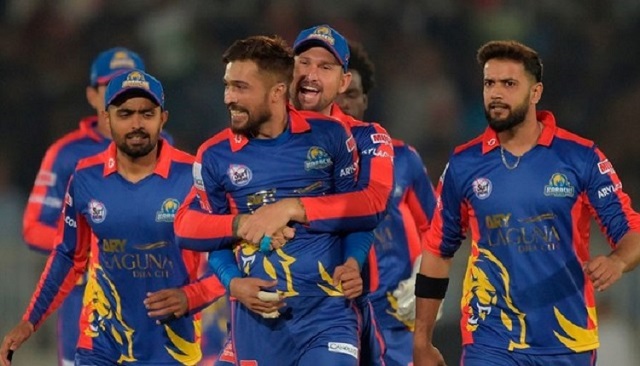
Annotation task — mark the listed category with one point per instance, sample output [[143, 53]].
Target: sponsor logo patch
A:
[[482, 188], [381, 138], [97, 211], [240, 175], [351, 143], [46, 178], [605, 167], [71, 222], [611, 188], [197, 176], [345, 348]]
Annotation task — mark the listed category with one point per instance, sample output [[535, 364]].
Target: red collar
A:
[[162, 166], [297, 124], [490, 137]]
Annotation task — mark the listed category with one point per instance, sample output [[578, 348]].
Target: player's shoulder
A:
[[320, 121], [68, 142], [92, 162], [469, 147], [402, 147], [219, 140], [570, 137], [179, 156]]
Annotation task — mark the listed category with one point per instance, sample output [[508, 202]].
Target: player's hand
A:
[[267, 220], [14, 339], [348, 275], [168, 303], [246, 290], [427, 355], [604, 271], [282, 236]]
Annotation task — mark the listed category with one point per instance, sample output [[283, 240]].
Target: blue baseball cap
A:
[[113, 61], [327, 37], [134, 80]]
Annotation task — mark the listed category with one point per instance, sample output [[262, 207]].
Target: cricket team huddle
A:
[[303, 235]]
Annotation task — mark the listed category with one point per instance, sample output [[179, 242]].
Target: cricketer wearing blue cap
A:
[[327, 37], [118, 226], [42, 213]]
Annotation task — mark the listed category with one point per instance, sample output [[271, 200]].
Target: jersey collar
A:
[[297, 124], [490, 137], [162, 166]]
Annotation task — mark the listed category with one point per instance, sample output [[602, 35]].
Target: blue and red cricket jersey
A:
[[398, 237], [123, 233], [314, 156], [524, 289], [43, 213]]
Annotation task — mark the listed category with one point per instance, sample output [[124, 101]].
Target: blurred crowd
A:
[[429, 88]]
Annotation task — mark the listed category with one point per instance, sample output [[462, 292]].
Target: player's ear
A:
[[536, 93], [164, 118], [279, 92], [105, 116], [345, 80], [92, 97]]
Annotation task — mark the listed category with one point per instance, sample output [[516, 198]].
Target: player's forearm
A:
[[356, 246], [56, 282], [426, 314], [203, 292], [223, 264], [628, 250], [203, 232]]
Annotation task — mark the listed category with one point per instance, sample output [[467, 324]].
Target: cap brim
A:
[[105, 79], [141, 90], [309, 43]]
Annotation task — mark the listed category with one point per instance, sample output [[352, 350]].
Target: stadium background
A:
[[428, 93]]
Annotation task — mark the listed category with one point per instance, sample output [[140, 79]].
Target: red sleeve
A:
[[38, 221], [201, 292], [65, 265], [375, 182], [198, 229]]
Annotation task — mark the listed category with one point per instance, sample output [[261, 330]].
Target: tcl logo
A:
[[69, 221]]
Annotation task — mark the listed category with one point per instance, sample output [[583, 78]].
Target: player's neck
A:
[[102, 127], [521, 138], [275, 126], [136, 169]]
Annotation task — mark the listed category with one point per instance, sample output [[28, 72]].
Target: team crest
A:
[[317, 158], [168, 210], [240, 175], [135, 79], [121, 60], [97, 211], [482, 187], [559, 186], [323, 33]]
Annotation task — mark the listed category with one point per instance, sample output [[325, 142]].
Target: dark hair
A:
[[512, 50], [361, 62], [270, 53]]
